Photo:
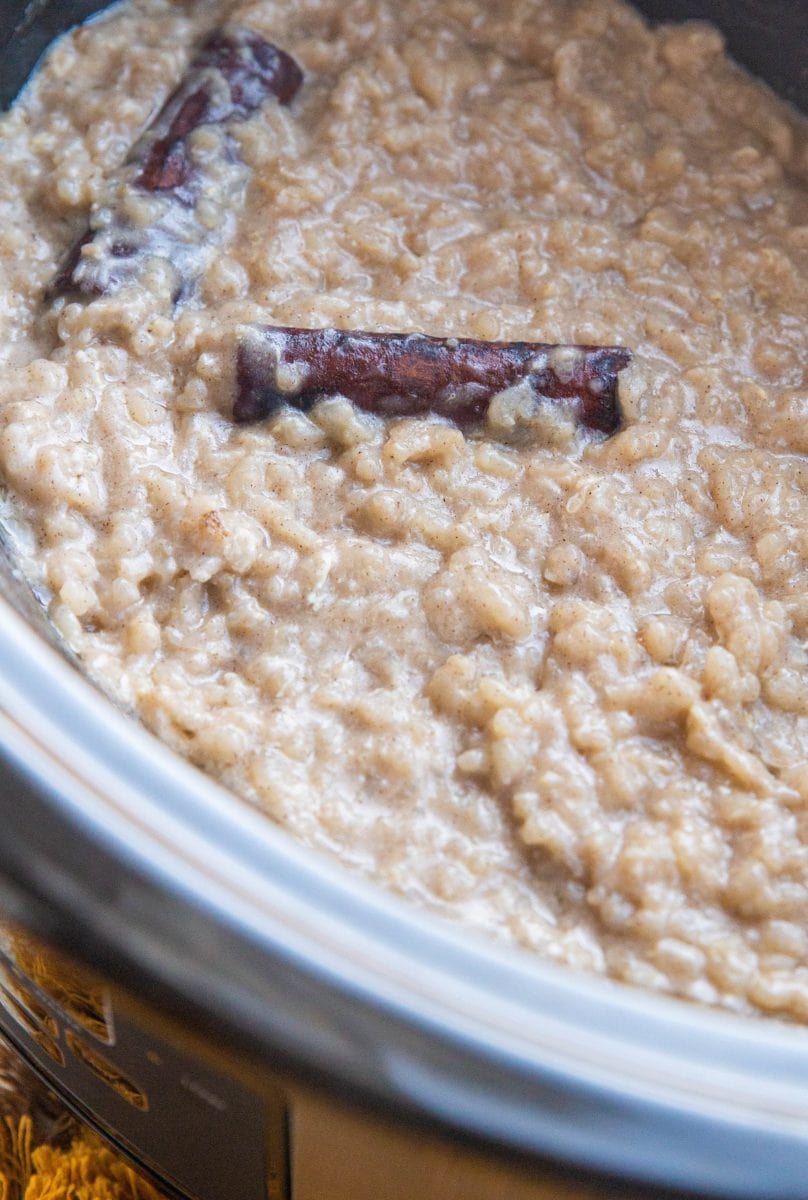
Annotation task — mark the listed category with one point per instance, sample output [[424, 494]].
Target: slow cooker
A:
[[245, 1020]]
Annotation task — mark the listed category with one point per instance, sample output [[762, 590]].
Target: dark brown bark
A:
[[396, 374], [234, 72]]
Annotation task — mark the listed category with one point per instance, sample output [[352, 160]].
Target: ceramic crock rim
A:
[[493, 1042]]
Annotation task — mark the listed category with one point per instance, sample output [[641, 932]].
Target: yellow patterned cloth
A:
[[45, 1154]]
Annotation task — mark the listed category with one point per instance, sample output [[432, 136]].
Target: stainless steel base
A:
[[198, 1127]]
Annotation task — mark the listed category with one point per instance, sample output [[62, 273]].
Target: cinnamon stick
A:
[[398, 374], [232, 74]]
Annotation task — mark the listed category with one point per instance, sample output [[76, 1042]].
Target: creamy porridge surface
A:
[[560, 694]]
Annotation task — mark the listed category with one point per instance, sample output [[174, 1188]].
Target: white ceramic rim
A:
[[706, 1099]]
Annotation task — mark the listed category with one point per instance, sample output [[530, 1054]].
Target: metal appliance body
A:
[[244, 1019]]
